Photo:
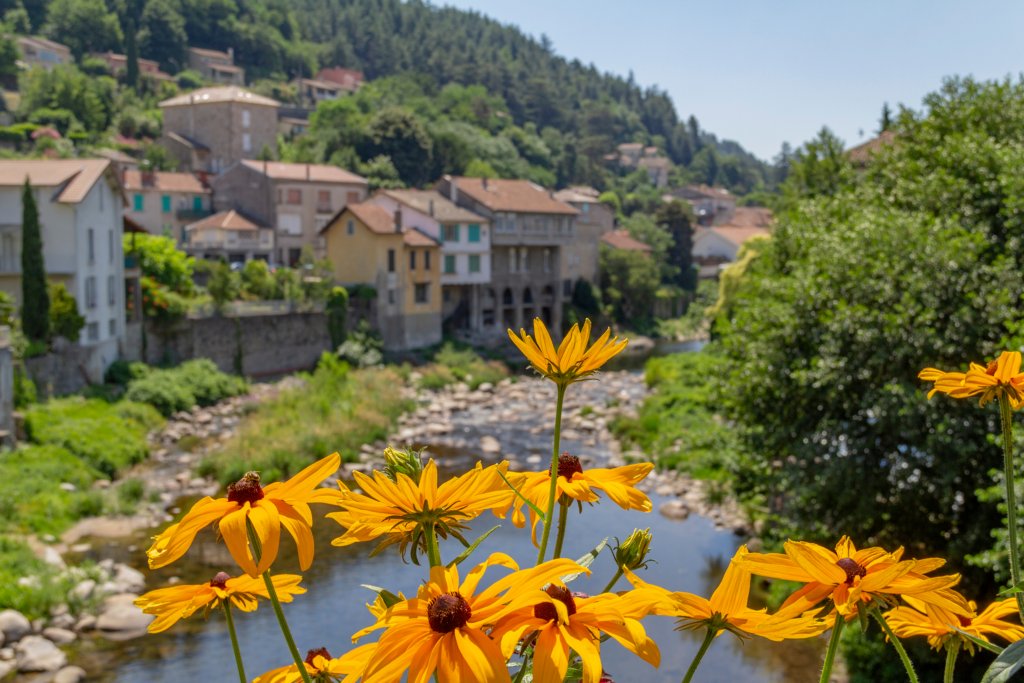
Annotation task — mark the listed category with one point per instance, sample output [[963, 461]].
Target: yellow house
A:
[[368, 245]]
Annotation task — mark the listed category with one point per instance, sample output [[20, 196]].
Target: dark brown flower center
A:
[[964, 621], [568, 465], [246, 490], [319, 652], [220, 581], [992, 367], [547, 611], [447, 612], [852, 569]]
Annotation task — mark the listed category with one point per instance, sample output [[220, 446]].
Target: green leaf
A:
[[533, 507], [389, 597], [587, 560], [1006, 665], [469, 550], [991, 647], [1012, 590]]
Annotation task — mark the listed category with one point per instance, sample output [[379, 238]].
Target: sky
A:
[[763, 73]]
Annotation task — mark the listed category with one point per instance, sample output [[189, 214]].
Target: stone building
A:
[[216, 66], [580, 256], [164, 203], [229, 236]]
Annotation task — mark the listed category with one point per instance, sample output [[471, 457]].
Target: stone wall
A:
[[69, 368]]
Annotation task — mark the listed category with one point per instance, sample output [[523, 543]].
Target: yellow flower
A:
[[174, 603], [573, 360], [562, 620], [1002, 375], [574, 482], [442, 629], [938, 625], [849, 576], [397, 511], [727, 608], [266, 508], [323, 669]]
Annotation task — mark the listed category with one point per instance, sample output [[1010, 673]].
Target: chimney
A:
[[453, 190], [307, 172], [398, 220], [430, 208], [231, 54], [148, 178], [484, 182]]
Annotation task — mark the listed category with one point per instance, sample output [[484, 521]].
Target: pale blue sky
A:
[[766, 72]]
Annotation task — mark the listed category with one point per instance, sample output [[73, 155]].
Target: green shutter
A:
[[474, 232], [197, 204], [139, 206], [165, 203], [449, 263]]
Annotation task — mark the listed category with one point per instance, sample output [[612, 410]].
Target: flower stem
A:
[[553, 488], [234, 641], [907, 664], [522, 670], [700, 655], [615, 579], [257, 553], [952, 650], [433, 550], [833, 647], [1006, 421], [563, 518]]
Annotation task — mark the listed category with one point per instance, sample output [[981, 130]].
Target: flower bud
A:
[[402, 462], [632, 553]]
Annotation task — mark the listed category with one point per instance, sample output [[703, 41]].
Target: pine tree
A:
[[131, 74], [885, 123], [675, 219], [35, 301]]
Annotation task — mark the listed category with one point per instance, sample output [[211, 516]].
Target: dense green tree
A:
[[65, 320], [628, 285], [83, 25], [676, 219], [131, 53], [400, 135], [160, 259], [223, 284], [257, 280], [35, 300], [819, 168], [162, 34], [89, 100]]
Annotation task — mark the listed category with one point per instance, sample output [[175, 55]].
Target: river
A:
[[690, 555]]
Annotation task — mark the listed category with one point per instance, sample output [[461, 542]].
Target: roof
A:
[[44, 42], [226, 93], [579, 194], [317, 83], [225, 220], [522, 196], [413, 237], [185, 140], [443, 209], [863, 152], [74, 177], [750, 217], [637, 146], [340, 75], [699, 191], [376, 218], [736, 234], [621, 239], [229, 68], [313, 173], [163, 181], [207, 52], [130, 225]]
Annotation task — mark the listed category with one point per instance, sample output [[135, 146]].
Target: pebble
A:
[[59, 636], [14, 625], [35, 653], [70, 674]]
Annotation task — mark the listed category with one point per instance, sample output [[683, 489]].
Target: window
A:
[[93, 331], [197, 204], [474, 263], [474, 232], [412, 259], [112, 326], [426, 260], [567, 285], [110, 245], [323, 201], [165, 203], [449, 263], [524, 260], [391, 260], [246, 118], [90, 292], [91, 235], [350, 227], [111, 291], [294, 196], [421, 294], [391, 296], [352, 198], [10, 258], [138, 203], [450, 233], [547, 260], [246, 142]]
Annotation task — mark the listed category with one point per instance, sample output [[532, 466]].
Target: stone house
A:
[[295, 200], [118, 64], [229, 236], [711, 205], [41, 52], [530, 228], [216, 66], [80, 205], [164, 203], [717, 245], [312, 91], [210, 129], [465, 240], [579, 257], [350, 80], [368, 245]]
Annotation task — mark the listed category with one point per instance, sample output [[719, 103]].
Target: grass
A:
[[31, 497], [195, 382], [338, 409], [452, 365]]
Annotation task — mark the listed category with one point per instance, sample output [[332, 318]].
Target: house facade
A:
[[465, 240], [711, 205], [368, 245], [717, 245], [164, 203], [312, 91], [295, 200], [229, 236], [41, 52], [529, 230], [216, 66], [80, 206], [118, 65], [209, 129], [580, 256], [349, 80]]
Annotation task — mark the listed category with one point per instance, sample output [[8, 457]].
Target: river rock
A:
[[674, 509], [87, 622], [488, 444], [35, 653], [60, 636], [128, 580], [83, 590], [121, 615], [64, 621], [6, 655], [70, 674], [6, 668], [14, 625]]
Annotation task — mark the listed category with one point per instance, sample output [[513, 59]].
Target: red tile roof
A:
[[520, 196], [750, 217], [77, 176], [314, 173], [863, 152], [163, 181], [225, 220], [621, 239], [376, 218], [414, 238]]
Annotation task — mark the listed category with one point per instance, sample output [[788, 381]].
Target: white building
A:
[[81, 206], [718, 245]]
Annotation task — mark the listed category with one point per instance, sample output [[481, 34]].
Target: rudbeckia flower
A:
[[266, 508], [559, 621], [574, 360], [1002, 375], [576, 483], [938, 625], [174, 603], [322, 668], [849, 576], [727, 608], [442, 630], [396, 511]]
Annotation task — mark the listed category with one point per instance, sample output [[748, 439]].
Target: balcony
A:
[[192, 214]]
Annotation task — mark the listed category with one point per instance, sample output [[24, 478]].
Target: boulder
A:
[[488, 444], [60, 636], [674, 509], [14, 625], [128, 580], [121, 615], [35, 653], [70, 674], [83, 590], [6, 668]]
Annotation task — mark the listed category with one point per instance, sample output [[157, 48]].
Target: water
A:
[[691, 556]]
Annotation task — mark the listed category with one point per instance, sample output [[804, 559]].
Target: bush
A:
[[460, 365], [209, 385], [195, 382], [122, 372], [361, 349], [65, 320], [337, 315], [34, 600], [24, 388], [162, 391]]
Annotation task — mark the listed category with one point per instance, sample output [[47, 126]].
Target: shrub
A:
[[122, 372], [35, 599], [24, 388], [460, 365], [337, 315], [362, 349], [209, 385], [65, 320], [161, 391], [195, 382]]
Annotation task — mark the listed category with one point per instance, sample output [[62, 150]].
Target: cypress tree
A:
[[35, 301], [131, 74]]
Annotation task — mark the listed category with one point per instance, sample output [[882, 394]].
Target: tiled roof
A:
[[317, 83], [580, 195], [225, 220], [621, 239], [376, 218], [863, 152], [750, 217], [443, 209], [163, 181], [341, 76], [314, 173], [736, 234], [521, 196], [185, 140], [698, 191], [207, 52], [227, 68], [75, 176], [227, 93], [414, 238]]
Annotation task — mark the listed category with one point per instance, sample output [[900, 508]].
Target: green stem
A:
[[907, 664], [552, 489], [257, 553], [563, 518], [615, 579], [700, 655], [433, 549], [522, 670], [234, 641], [1006, 421], [952, 650], [833, 646]]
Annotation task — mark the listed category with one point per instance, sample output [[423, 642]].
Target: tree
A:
[[257, 280], [131, 53], [819, 168], [337, 315], [676, 219], [160, 259], [65, 320], [83, 25], [628, 285], [223, 284], [162, 35], [35, 301], [885, 123], [399, 134]]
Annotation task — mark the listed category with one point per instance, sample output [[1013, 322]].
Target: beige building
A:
[[40, 52], [210, 129], [368, 245], [579, 257], [118, 64], [717, 245], [312, 91], [164, 203], [230, 236], [711, 205], [296, 200], [216, 66], [350, 80]]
